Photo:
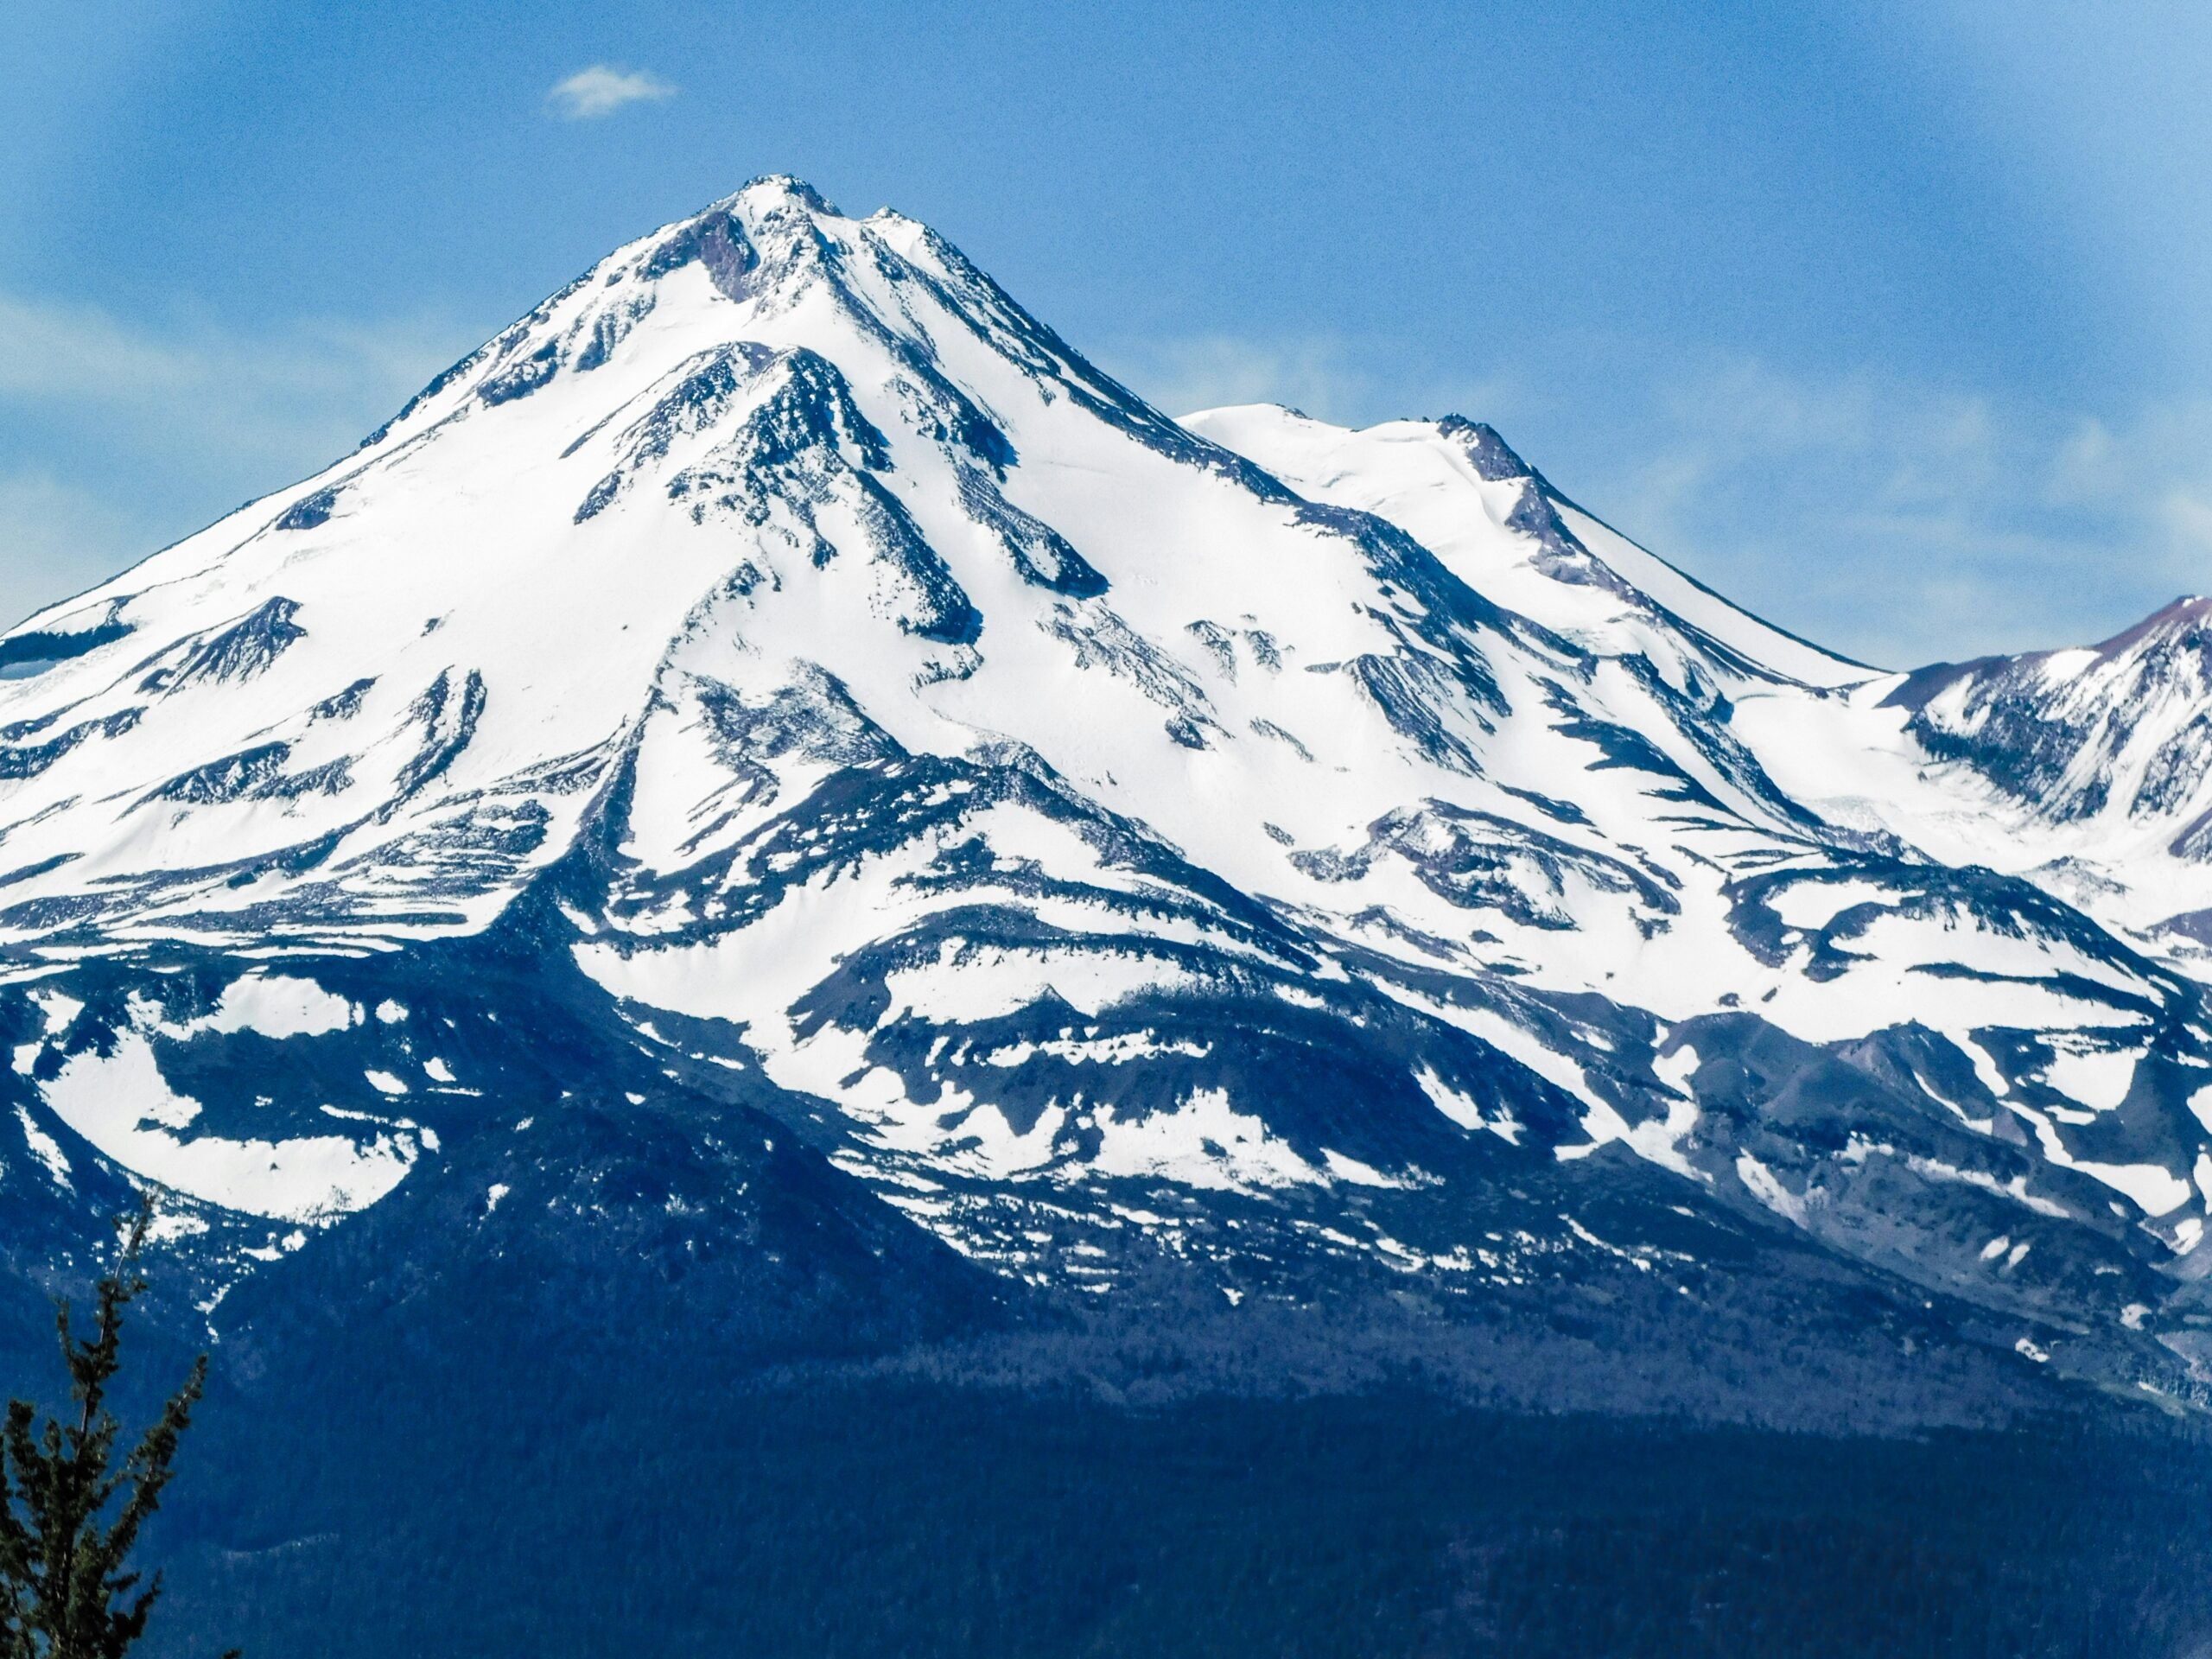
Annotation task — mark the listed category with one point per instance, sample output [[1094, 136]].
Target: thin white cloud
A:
[[1317, 374], [604, 88], [302, 391], [1217, 371]]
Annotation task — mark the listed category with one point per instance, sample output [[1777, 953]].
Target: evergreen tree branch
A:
[[71, 1514]]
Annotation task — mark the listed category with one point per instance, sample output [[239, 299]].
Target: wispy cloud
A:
[[298, 388], [118, 435], [1905, 523], [1898, 521], [604, 88], [1215, 370]]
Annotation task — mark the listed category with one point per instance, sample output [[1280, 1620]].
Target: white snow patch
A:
[[2199, 1106], [2155, 1190], [125, 1107], [986, 1143], [2016, 1189], [1676, 1070], [1659, 1140], [1204, 1142], [58, 1010], [1463, 1110], [1359, 1175], [43, 1146], [1099, 1051], [969, 983], [1767, 1190], [1985, 1068], [2098, 1079], [278, 1005]]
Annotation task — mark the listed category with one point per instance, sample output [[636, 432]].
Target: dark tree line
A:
[[73, 1502]]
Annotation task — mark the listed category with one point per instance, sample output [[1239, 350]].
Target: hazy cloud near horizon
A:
[[118, 436], [1880, 319]]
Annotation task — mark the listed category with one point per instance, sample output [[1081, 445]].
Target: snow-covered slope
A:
[[783, 678]]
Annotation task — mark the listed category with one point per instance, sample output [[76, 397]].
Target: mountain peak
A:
[[1492, 456], [1248, 848], [2187, 615], [783, 189]]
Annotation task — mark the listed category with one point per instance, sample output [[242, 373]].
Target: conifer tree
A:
[[70, 1511]]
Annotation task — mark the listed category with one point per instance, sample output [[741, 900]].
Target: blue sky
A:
[[1888, 320]]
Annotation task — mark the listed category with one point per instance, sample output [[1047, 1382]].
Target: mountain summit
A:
[[776, 767]]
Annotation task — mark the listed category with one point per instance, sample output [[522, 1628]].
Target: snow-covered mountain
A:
[[777, 708]]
